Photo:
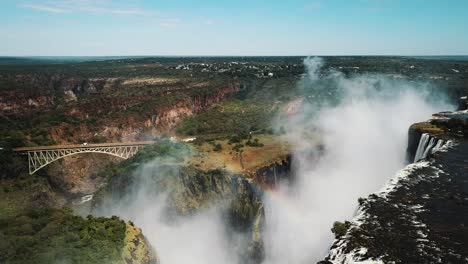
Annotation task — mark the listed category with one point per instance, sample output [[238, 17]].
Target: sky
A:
[[237, 27]]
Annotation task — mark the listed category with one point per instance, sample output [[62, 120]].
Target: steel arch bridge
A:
[[39, 157]]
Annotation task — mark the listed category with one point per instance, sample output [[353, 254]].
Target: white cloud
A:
[[43, 8], [87, 6]]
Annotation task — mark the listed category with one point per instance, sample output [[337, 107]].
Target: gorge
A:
[[273, 163]]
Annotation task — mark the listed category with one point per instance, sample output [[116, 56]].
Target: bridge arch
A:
[[39, 157]]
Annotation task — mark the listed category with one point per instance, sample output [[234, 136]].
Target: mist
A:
[[362, 121], [199, 238]]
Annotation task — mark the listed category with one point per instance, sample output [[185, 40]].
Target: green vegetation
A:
[[238, 138], [57, 236], [254, 143], [164, 149], [24, 192], [34, 129], [230, 117], [10, 162], [340, 229]]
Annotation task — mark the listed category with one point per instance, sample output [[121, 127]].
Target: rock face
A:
[[421, 215], [77, 175], [137, 249], [189, 190], [270, 176], [110, 116]]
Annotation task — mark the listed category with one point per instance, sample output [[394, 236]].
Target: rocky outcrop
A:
[[271, 175], [420, 216], [14, 102], [137, 249]]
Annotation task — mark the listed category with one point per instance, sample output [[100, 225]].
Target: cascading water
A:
[[439, 145], [427, 144], [422, 145]]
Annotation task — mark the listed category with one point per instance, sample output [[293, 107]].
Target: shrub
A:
[[340, 229], [255, 143], [238, 147], [218, 147]]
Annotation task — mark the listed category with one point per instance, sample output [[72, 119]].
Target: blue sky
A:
[[251, 27]]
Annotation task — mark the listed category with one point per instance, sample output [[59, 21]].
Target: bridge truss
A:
[[39, 157]]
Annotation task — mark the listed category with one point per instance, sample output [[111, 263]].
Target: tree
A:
[[340, 229]]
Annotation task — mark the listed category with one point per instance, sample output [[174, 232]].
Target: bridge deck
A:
[[74, 146]]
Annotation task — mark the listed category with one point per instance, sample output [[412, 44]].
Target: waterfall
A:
[[427, 144], [438, 146], [422, 145]]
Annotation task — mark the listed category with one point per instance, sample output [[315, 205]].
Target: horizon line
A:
[[181, 56]]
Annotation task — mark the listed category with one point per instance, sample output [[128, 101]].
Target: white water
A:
[[439, 145], [84, 199], [427, 144], [431, 144], [421, 147], [365, 138]]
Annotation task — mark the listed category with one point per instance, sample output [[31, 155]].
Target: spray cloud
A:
[[199, 238], [363, 122]]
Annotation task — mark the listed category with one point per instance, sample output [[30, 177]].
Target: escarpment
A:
[[85, 107], [24, 94], [66, 110]]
